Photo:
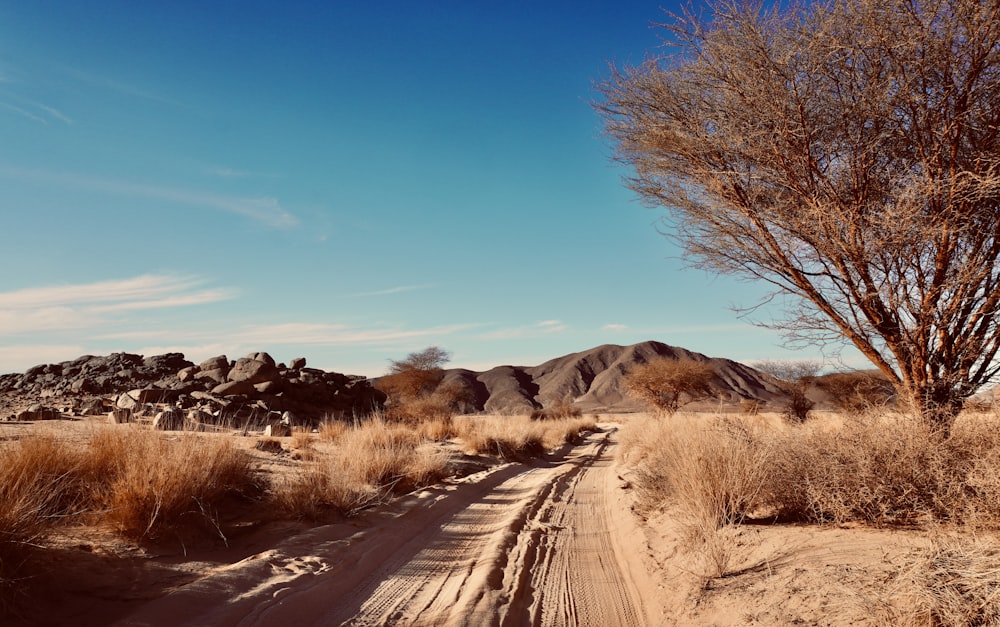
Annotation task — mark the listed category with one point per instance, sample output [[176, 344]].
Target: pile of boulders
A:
[[174, 393]]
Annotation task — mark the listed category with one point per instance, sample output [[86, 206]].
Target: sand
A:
[[552, 542]]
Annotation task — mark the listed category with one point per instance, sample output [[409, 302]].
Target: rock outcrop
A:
[[593, 380], [232, 392]]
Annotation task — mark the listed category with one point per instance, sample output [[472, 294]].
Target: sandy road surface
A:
[[550, 543]]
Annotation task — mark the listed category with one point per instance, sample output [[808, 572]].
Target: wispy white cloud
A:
[[121, 87], [551, 326], [396, 290], [614, 327], [265, 209], [28, 320], [56, 113], [81, 306], [142, 287], [24, 113], [313, 333], [177, 300], [234, 173], [534, 330]]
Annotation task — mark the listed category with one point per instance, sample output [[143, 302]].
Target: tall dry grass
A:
[[34, 479], [147, 485], [360, 465], [518, 438], [954, 581], [880, 469]]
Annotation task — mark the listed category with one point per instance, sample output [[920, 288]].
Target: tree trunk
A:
[[938, 405]]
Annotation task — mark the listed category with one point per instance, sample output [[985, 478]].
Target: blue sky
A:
[[344, 181]]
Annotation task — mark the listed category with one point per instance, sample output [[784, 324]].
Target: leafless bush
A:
[[667, 384]]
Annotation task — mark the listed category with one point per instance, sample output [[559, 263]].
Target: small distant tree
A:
[[858, 390], [415, 375], [414, 388], [794, 378], [668, 384]]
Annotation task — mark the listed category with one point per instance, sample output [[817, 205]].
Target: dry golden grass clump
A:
[[147, 484], [954, 581], [518, 437], [360, 465], [881, 469], [34, 478]]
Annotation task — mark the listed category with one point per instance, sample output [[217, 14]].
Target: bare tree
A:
[[848, 153], [668, 384], [413, 378], [794, 378]]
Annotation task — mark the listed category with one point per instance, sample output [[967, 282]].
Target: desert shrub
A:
[[35, 490], [414, 375], [857, 391], [367, 462], [880, 469], [560, 410], [518, 438], [667, 384], [415, 390], [752, 406], [799, 404], [148, 485], [952, 582], [715, 472], [794, 378]]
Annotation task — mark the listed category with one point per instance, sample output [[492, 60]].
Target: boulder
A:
[[220, 362], [233, 388], [187, 374], [262, 356], [119, 416], [297, 364], [253, 371], [127, 401], [169, 420], [38, 412]]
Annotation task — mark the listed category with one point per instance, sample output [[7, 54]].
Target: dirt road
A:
[[551, 543]]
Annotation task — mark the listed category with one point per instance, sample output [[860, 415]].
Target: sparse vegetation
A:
[[415, 389], [667, 384], [365, 463], [844, 153], [518, 437], [34, 479], [794, 378], [882, 469]]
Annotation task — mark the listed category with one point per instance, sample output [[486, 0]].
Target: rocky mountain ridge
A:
[[255, 387]]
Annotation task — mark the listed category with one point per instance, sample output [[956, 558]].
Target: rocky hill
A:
[[593, 380], [220, 389], [256, 388]]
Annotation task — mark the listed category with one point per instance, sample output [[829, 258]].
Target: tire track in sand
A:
[[521, 545]]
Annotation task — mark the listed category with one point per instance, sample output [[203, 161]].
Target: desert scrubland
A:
[[631, 519]]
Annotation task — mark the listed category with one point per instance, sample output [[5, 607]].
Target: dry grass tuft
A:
[[363, 466], [714, 470], [147, 485], [882, 469], [34, 482], [518, 438], [950, 583]]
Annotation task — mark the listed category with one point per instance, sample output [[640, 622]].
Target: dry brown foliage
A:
[[882, 469], [667, 384], [858, 391], [518, 438], [364, 465], [847, 153]]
